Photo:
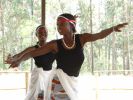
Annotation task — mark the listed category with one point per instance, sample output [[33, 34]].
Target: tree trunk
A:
[[3, 32]]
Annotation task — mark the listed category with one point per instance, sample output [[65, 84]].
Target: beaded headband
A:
[[41, 29]]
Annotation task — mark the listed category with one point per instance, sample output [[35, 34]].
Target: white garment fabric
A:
[[39, 81], [69, 83]]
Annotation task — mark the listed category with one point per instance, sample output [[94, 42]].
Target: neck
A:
[[69, 41], [68, 37], [41, 43]]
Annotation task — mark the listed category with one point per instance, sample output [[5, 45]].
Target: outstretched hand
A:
[[118, 27], [9, 59], [13, 61]]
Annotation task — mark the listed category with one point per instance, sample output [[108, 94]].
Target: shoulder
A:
[[82, 37], [86, 37], [52, 45]]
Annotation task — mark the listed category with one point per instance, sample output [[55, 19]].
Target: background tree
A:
[[19, 18]]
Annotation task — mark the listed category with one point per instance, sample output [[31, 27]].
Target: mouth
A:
[[59, 31]]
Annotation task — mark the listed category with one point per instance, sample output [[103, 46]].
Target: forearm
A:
[[29, 49], [105, 32], [37, 52], [16, 56], [116, 28], [49, 47], [16, 61], [24, 57]]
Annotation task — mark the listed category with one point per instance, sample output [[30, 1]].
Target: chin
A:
[[60, 32]]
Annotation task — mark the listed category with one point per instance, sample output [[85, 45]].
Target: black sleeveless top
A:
[[44, 61], [70, 60]]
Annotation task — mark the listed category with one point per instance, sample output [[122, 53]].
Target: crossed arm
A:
[[10, 58]]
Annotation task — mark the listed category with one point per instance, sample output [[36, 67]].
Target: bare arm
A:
[[24, 51], [87, 37], [49, 47], [11, 58]]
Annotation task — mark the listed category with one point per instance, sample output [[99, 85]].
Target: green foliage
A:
[[19, 18], [18, 26]]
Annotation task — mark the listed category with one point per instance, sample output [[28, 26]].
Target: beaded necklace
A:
[[69, 47]]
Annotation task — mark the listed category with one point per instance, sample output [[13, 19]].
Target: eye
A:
[[58, 24]]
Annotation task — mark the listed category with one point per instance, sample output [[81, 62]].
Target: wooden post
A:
[[26, 80], [43, 12]]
